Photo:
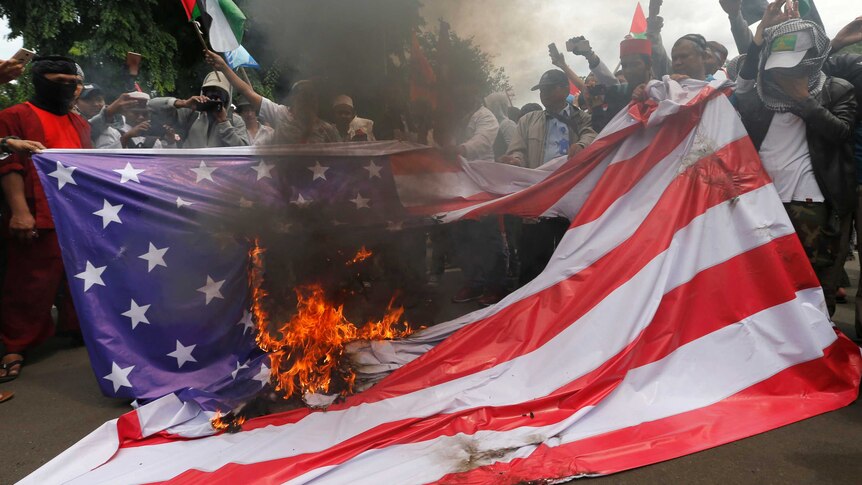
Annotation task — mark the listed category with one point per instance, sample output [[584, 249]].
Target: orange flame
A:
[[361, 256], [226, 422], [306, 351]]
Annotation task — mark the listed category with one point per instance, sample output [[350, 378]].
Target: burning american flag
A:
[[678, 313]]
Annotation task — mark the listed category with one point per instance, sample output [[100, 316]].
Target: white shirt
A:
[[479, 135], [786, 158]]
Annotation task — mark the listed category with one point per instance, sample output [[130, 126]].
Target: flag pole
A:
[[245, 76], [200, 34]]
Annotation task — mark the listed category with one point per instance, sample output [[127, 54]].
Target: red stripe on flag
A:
[[129, 428], [536, 200], [531, 322], [700, 296], [799, 392], [419, 162]]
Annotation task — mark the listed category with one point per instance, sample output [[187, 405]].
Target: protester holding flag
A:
[[206, 120], [636, 62], [34, 269], [297, 124], [350, 127], [802, 123]]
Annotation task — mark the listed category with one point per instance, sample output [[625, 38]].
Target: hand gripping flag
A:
[[630, 348]]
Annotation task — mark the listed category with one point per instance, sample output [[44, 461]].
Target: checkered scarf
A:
[[771, 95]]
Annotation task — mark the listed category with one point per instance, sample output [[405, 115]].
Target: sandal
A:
[[5, 396], [7, 367]]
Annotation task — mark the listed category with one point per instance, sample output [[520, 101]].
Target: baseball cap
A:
[[91, 90], [554, 77], [788, 50]]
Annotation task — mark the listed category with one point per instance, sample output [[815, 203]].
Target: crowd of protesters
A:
[[796, 94]]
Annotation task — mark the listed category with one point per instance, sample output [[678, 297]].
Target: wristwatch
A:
[[4, 144]]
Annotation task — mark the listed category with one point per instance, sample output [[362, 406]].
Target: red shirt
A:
[[31, 123], [59, 130]]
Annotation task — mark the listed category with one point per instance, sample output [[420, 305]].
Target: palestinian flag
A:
[[224, 21], [639, 23]]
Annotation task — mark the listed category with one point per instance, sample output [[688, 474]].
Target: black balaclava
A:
[[52, 96]]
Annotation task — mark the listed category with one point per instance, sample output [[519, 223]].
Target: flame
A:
[[361, 256], [306, 351], [226, 422]]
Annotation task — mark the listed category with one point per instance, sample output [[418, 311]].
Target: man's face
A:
[[635, 70], [688, 61], [711, 62], [343, 115], [247, 114], [216, 93], [553, 96], [91, 105], [137, 116]]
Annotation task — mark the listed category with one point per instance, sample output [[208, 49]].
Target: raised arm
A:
[[242, 87], [738, 26]]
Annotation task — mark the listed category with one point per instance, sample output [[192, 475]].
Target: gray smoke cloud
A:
[[517, 32]]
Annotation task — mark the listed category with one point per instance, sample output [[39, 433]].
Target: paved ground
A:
[[57, 402]]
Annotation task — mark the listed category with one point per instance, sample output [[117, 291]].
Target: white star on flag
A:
[[183, 354], [109, 213], [246, 321], [373, 170], [181, 202], [212, 289], [394, 225], [319, 171], [263, 169], [154, 257], [119, 376], [137, 314], [361, 202], [91, 276], [63, 175], [129, 173], [239, 367], [301, 201], [204, 173], [263, 375]]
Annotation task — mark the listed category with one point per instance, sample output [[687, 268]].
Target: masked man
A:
[[801, 122], [34, 269], [206, 121]]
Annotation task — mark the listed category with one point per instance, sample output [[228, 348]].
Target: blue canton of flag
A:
[[158, 271]]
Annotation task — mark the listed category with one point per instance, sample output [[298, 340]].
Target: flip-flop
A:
[[8, 367], [5, 396]]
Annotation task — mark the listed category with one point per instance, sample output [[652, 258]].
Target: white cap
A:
[[139, 95], [788, 50], [342, 99]]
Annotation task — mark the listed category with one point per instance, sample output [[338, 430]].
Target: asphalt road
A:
[[57, 402]]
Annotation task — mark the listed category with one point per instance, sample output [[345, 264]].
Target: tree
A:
[[98, 33], [467, 61]]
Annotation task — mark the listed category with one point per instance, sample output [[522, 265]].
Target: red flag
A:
[[573, 90], [422, 77], [639, 24]]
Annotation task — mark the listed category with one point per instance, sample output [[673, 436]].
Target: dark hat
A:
[[554, 77], [91, 90], [53, 65]]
